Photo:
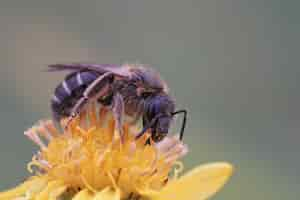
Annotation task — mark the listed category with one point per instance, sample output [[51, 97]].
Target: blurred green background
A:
[[233, 63]]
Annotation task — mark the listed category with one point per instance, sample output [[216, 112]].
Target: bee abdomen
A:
[[80, 78], [70, 90]]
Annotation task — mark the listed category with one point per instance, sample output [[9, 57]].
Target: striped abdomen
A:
[[70, 91]]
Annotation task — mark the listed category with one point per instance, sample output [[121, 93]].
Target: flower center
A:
[[90, 155]]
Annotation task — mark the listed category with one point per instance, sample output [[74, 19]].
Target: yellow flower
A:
[[88, 161]]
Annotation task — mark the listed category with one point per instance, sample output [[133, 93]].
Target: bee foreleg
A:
[[118, 112]]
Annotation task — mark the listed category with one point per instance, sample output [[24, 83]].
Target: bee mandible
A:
[[137, 91]]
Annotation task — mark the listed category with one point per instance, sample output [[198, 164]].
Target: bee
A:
[[137, 91]]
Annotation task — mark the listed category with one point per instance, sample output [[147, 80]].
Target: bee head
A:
[[158, 115], [161, 128]]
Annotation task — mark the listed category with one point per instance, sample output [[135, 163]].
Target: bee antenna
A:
[[183, 122]]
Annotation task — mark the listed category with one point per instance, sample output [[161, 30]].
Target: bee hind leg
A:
[[118, 113], [97, 88], [76, 110]]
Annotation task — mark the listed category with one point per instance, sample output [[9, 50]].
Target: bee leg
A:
[[147, 125], [118, 112], [138, 115], [97, 88], [76, 109]]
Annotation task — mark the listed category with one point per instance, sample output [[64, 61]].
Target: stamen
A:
[[42, 130], [102, 156], [102, 115], [113, 181], [87, 185], [151, 168], [82, 131], [50, 128], [132, 148], [31, 134], [111, 127], [166, 144], [92, 115], [42, 164], [45, 163], [176, 152], [83, 119], [178, 168]]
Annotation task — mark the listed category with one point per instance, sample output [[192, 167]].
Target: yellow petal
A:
[[83, 195], [51, 187], [198, 184], [57, 192], [32, 185], [108, 194]]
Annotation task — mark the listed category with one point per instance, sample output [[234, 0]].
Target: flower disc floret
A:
[[90, 154]]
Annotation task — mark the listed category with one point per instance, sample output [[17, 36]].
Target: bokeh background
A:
[[234, 64]]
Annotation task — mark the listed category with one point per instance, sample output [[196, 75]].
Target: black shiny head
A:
[[163, 123], [158, 116], [161, 127]]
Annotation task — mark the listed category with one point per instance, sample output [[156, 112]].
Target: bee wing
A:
[[101, 68]]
